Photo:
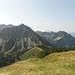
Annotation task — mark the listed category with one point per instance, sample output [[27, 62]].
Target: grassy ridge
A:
[[31, 53], [61, 63]]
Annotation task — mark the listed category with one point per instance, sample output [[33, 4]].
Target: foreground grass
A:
[[54, 64]]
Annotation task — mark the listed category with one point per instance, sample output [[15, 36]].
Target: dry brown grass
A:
[[54, 64]]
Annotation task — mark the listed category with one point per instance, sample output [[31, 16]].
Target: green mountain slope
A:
[[54, 64], [31, 53]]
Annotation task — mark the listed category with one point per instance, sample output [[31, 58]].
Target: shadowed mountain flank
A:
[[19, 38], [59, 39]]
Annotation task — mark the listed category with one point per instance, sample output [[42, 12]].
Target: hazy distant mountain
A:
[[73, 34], [19, 38], [59, 39], [3, 26]]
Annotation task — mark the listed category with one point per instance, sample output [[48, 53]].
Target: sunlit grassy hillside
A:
[[62, 63], [31, 53]]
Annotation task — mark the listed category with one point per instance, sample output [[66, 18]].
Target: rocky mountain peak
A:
[[19, 38], [22, 25]]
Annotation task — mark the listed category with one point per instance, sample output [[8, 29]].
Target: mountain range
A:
[[23, 37], [20, 38], [59, 39]]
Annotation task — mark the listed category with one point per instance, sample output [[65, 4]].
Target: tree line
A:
[[48, 51]]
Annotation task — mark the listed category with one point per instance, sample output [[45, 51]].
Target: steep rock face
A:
[[66, 40], [9, 44], [19, 38], [59, 39]]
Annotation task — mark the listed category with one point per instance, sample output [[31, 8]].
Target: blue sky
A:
[[52, 15]]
